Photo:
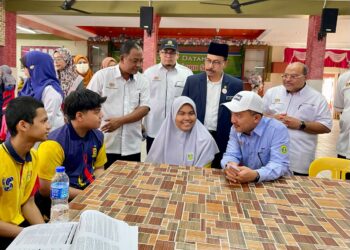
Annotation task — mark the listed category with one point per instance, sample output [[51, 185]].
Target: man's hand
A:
[[279, 117], [240, 174], [291, 122], [112, 124]]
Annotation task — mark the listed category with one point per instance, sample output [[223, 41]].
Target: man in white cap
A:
[[167, 80], [210, 89], [258, 146]]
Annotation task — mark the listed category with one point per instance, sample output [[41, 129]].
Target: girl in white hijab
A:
[[182, 139]]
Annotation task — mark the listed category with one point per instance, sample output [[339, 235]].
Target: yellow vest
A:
[[15, 188]]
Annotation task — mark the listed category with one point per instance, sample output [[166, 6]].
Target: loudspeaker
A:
[[329, 20], [146, 17]]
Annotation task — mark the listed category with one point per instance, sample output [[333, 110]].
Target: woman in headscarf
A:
[[82, 65], [7, 93], [43, 85], [69, 78], [182, 139], [256, 83], [108, 62]]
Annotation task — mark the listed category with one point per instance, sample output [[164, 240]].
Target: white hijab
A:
[[174, 146]]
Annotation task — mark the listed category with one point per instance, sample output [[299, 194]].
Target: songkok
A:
[[218, 49]]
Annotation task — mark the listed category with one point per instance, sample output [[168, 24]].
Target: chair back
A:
[[338, 167]]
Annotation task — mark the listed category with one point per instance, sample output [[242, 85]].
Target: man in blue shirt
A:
[[258, 146]]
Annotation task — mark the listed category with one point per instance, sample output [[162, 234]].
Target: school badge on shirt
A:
[[190, 156], [7, 183], [94, 151], [284, 149]]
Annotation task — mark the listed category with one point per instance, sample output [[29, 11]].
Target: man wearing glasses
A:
[[303, 110], [209, 90], [167, 80], [258, 147]]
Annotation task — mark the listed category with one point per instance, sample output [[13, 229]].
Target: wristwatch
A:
[[257, 177], [302, 125]]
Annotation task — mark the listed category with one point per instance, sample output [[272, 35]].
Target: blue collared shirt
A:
[[264, 150]]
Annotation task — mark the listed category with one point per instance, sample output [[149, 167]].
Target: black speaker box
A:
[[146, 17], [329, 20]]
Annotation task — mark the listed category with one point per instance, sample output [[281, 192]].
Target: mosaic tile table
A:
[[192, 208]]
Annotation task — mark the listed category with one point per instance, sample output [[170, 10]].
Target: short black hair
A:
[[80, 101], [128, 46], [21, 108]]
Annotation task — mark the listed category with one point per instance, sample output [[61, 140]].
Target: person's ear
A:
[[79, 116], [22, 126]]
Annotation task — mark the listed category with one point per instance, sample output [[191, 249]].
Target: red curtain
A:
[[333, 57]]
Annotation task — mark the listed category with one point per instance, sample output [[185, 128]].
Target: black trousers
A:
[[149, 142], [300, 174], [111, 158], [6, 241]]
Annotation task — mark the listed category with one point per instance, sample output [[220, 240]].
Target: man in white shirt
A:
[[303, 110], [167, 80], [342, 104], [127, 93]]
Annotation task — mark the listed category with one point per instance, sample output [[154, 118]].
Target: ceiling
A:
[[276, 22]]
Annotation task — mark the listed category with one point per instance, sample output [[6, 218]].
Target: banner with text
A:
[[195, 61]]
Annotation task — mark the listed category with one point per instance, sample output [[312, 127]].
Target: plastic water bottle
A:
[[59, 196]]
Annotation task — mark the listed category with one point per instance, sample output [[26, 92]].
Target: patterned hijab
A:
[[173, 146], [6, 76], [89, 73], [68, 75], [42, 74]]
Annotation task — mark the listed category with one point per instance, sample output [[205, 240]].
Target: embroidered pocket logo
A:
[[7, 183]]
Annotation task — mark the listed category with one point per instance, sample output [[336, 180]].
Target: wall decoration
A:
[[2, 24]]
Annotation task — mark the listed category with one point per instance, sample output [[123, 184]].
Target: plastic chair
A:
[[338, 167]]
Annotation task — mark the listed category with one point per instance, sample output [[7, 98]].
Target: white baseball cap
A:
[[245, 100]]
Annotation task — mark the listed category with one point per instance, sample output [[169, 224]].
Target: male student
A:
[[27, 122], [77, 145]]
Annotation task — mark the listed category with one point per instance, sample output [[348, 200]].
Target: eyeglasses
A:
[[58, 59], [291, 76], [168, 52], [214, 63]]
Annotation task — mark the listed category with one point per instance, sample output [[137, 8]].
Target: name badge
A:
[[111, 85]]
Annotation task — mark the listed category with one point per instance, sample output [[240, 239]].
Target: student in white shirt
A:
[[167, 80], [303, 110], [127, 93]]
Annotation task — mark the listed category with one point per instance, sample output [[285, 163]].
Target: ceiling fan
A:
[[67, 5], [236, 5]]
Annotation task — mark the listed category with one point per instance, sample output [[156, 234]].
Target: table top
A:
[[179, 207]]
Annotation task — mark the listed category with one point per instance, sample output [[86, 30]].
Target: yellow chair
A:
[[338, 167]]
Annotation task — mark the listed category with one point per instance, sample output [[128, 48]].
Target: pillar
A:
[[150, 44], [8, 51], [315, 53]]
